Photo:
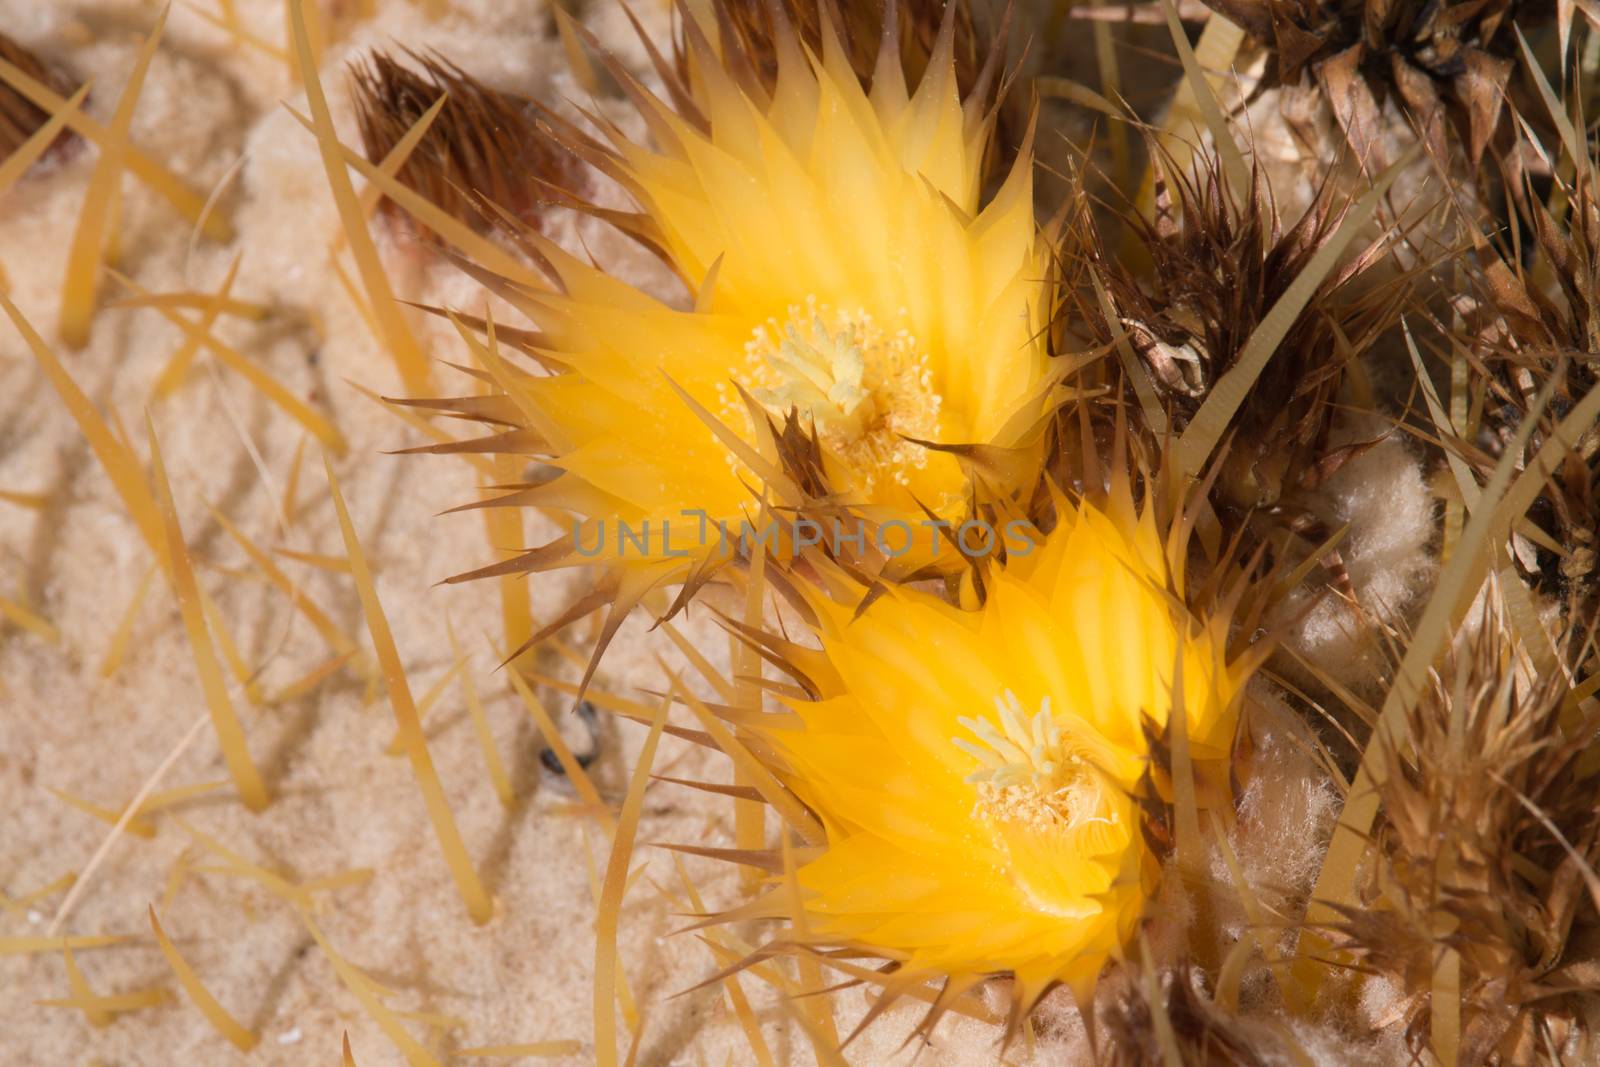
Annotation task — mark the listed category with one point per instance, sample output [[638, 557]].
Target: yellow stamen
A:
[[862, 388]]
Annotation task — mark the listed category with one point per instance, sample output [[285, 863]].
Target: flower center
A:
[[861, 388], [1028, 774]]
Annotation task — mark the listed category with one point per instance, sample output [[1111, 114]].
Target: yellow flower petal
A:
[[975, 770]]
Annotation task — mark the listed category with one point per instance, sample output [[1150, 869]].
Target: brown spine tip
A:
[[20, 115]]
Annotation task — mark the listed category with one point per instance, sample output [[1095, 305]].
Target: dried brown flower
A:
[[1203, 1033], [19, 116], [1218, 262], [1448, 63], [484, 152], [1482, 871], [1525, 335]]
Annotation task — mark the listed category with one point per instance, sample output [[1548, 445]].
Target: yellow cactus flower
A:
[[854, 301], [973, 772]]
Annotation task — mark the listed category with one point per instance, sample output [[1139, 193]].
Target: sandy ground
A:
[[211, 111]]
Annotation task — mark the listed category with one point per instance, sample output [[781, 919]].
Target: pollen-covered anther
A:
[[1028, 775], [863, 389]]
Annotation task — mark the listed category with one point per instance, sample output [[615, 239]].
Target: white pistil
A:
[[1028, 752], [1028, 775], [821, 374]]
